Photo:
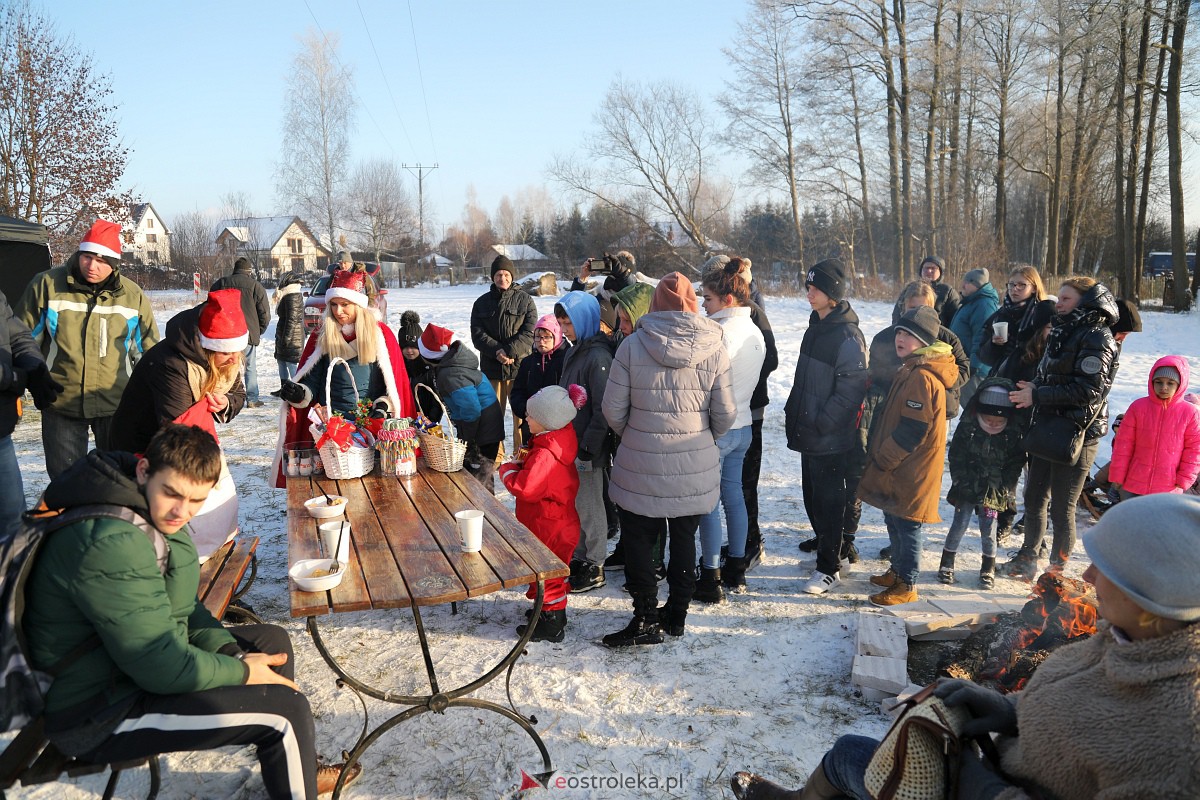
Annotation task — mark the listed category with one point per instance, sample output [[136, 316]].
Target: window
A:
[[151, 238], [150, 222], [151, 256], [296, 245], [298, 264]]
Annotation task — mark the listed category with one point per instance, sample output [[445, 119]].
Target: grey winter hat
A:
[[1150, 548], [993, 400], [343, 255], [922, 322], [552, 407], [1166, 372], [980, 277], [937, 262]]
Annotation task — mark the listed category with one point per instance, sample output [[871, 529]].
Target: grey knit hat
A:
[[1166, 371], [552, 407], [1150, 548], [922, 322], [980, 277]]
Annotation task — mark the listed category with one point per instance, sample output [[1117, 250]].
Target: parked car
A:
[[314, 299]]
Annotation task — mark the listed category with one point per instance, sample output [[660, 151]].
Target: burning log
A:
[[1006, 654]]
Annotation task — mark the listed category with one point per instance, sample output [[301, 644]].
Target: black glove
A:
[[976, 781], [292, 392], [382, 409], [992, 712], [43, 387], [18, 383]]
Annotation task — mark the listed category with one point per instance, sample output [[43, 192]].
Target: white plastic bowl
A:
[[302, 569], [317, 507]]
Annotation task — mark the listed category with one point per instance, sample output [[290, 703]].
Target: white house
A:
[[275, 244], [151, 239], [524, 257]]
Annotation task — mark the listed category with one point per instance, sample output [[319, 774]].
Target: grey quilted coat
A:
[[669, 398]]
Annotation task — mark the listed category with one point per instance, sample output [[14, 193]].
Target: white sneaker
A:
[[820, 583]]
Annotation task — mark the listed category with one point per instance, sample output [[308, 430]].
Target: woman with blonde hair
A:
[[1026, 311]]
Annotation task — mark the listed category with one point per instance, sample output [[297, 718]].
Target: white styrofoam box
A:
[[881, 635], [888, 674]]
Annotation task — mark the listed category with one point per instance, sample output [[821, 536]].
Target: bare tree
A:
[[1183, 298], [61, 157], [381, 210], [650, 159], [318, 117], [193, 245]]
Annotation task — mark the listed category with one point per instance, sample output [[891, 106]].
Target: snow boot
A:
[[946, 568], [748, 786], [708, 586], [987, 572], [642, 629], [734, 574], [672, 618], [1023, 565], [551, 627], [885, 552], [809, 545], [886, 579], [754, 550], [899, 592]]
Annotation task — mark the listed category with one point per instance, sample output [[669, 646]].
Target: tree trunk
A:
[[1131, 270], [899, 15], [1119, 176], [1156, 91], [1053, 202], [1183, 299], [864, 198], [931, 147], [951, 207], [893, 101]]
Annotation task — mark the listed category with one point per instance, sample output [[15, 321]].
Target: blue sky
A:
[[507, 84]]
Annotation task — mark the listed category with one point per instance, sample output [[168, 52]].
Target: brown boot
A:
[[899, 592], [748, 786], [818, 787], [327, 776], [886, 579]]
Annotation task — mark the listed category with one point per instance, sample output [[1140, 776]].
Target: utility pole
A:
[[420, 170]]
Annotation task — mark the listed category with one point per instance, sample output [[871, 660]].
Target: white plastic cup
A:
[[470, 530], [1001, 330], [330, 531]]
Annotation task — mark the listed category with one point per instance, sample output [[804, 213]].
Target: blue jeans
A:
[[287, 370], [733, 446], [907, 539], [962, 521], [251, 373], [12, 490], [65, 439], [845, 764]]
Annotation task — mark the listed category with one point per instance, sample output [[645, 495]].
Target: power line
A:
[[421, 81], [386, 83]]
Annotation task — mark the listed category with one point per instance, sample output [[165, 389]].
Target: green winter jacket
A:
[[91, 336], [102, 576]]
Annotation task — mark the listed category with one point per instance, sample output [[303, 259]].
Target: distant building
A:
[[151, 243], [524, 257], [275, 244]]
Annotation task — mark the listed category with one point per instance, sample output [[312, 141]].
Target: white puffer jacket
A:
[[747, 350], [669, 397]]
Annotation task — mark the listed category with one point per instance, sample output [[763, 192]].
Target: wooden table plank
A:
[[438, 512], [230, 575], [303, 542], [427, 574], [210, 568], [539, 558], [351, 594], [497, 552]]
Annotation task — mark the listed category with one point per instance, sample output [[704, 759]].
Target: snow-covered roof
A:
[[264, 231], [437, 260], [519, 252]]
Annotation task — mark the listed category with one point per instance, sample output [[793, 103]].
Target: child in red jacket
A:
[[544, 481]]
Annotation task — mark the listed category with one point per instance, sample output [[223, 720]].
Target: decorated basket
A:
[[442, 453], [355, 461]]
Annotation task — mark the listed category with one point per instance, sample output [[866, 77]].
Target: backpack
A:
[[25, 686]]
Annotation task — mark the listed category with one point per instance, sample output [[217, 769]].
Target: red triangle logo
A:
[[528, 782]]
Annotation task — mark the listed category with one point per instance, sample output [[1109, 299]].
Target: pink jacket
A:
[[1157, 448]]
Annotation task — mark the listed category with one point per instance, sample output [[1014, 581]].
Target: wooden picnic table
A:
[[405, 553]]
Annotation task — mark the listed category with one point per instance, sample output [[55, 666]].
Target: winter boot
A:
[[886, 579], [754, 550], [899, 592], [987, 572], [885, 552], [748, 786], [617, 559], [946, 568], [551, 627], [708, 586], [849, 552], [642, 629], [1023, 565], [734, 575], [809, 545], [672, 618]]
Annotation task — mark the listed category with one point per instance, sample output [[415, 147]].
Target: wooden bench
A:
[[30, 758]]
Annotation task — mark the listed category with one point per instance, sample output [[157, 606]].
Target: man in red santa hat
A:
[[352, 331]]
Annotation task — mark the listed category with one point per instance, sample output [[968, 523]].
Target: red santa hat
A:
[[350, 286], [103, 239], [222, 323], [435, 341]]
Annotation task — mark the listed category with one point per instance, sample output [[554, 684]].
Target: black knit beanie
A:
[[409, 332], [830, 277], [502, 263]]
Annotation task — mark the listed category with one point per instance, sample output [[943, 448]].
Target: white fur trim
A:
[[225, 345], [358, 298], [433, 354], [98, 249]]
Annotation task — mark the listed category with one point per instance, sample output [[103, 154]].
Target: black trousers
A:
[[751, 467], [274, 718], [824, 481], [640, 536]]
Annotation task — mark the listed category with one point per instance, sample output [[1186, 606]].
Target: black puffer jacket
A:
[[255, 305], [831, 379], [1024, 319], [503, 321], [758, 316], [884, 362], [1077, 370], [17, 349], [289, 331]]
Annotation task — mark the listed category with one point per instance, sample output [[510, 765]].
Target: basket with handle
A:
[[355, 461], [442, 453]]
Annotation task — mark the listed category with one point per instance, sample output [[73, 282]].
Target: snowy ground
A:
[[761, 681]]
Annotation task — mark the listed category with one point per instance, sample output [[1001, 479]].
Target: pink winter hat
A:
[[550, 323]]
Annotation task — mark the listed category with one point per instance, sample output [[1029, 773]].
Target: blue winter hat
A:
[[1150, 548]]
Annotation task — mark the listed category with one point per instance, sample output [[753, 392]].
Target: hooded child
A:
[[1157, 447], [539, 369]]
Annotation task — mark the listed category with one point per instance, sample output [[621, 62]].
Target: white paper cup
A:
[[1001, 330], [329, 539], [470, 530]]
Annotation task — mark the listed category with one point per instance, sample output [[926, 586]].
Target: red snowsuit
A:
[[545, 486]]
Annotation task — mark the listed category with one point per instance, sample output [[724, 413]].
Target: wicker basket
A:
[[355, 461], [442, 453]]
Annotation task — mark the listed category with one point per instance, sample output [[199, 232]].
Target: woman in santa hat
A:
[[193, 376], [352, 331]]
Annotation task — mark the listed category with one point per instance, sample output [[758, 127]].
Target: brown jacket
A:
[[906, 455]]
